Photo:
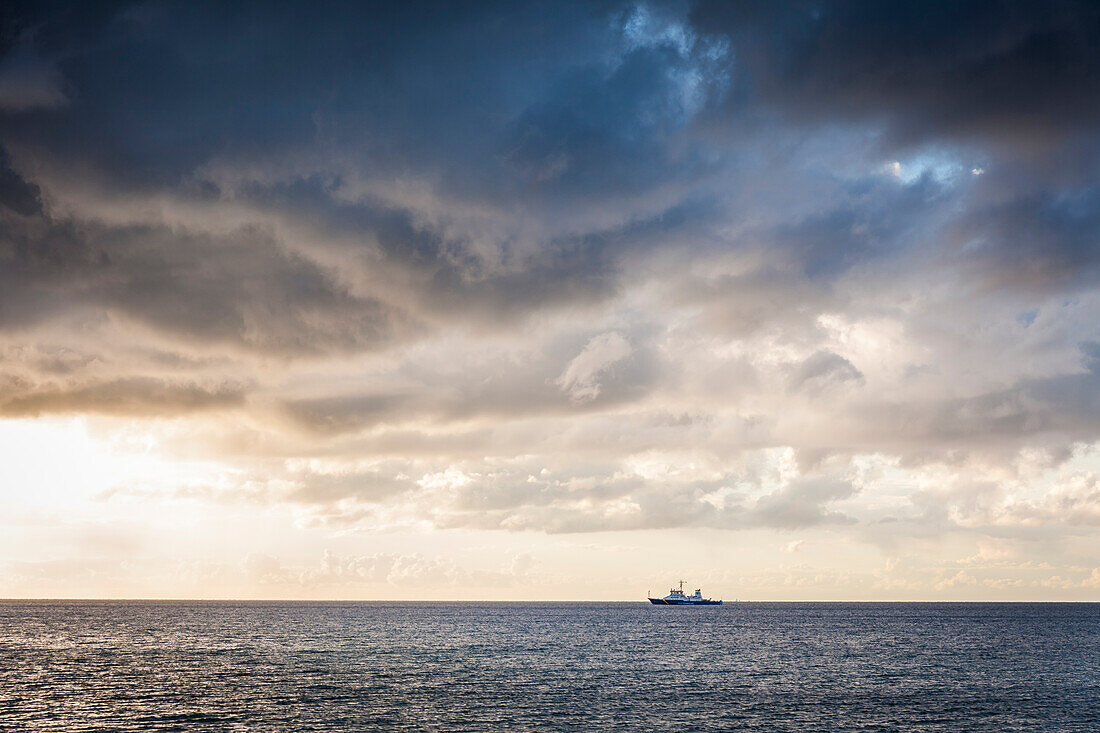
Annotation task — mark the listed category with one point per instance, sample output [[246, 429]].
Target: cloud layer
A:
[[822, 267]]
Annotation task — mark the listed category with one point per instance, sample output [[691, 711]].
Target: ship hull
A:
[[664, 602]]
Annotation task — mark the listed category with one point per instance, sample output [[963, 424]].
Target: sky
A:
[[530, 300]]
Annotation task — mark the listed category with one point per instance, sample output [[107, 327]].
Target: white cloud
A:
[[582, 376]]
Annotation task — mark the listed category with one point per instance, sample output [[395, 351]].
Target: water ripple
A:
[[190, 666]]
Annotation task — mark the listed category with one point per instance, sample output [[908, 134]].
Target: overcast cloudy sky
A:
[[793, 300]]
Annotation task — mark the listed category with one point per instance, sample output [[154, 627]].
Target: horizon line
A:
[[502, 601]]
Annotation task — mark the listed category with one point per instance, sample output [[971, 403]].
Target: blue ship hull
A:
[[685, 602]]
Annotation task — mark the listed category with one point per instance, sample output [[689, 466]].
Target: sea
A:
[[304, 666]]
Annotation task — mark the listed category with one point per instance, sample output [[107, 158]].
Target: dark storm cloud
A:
[[1045, 241], [16, 193], [601, 133], [989, 71], [239, 288], [27, 81], [513, 106], [546, 110], [1015, 83], [488, 95], [159, 87]]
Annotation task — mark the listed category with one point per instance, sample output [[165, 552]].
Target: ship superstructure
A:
[[676, 597]]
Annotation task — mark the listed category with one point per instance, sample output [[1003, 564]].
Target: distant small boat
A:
[[676, 597]]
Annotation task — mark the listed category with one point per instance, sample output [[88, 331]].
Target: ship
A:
[[676, 597]]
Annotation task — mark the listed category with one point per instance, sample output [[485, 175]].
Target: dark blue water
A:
[[190, 666]]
